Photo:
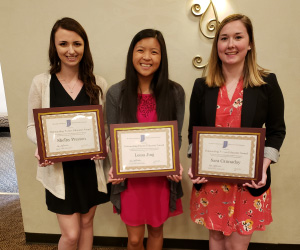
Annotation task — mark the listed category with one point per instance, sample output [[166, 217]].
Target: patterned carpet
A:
[[8, 177]]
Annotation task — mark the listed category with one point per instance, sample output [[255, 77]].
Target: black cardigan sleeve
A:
[[196, 102], [275, 125]]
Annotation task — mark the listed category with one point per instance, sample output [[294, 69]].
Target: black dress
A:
[[81, 188]]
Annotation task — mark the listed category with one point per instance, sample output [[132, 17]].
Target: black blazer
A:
[[262, 105]]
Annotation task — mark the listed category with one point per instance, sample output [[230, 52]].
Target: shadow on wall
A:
[[3, 108]]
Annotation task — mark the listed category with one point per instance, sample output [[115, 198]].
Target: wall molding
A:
[[168, 243]]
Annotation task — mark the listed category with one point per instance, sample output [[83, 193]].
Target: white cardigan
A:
[[52, 176]]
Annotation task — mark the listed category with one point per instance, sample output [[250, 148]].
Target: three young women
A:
[[235, 93]]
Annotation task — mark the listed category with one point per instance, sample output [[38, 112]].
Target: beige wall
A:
[[25, 27]]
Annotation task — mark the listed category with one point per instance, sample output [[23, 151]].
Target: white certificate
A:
[[70, 133], [227, 155], [145, 150]]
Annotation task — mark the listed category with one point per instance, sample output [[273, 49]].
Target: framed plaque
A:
[[228, 154], [145, 149], [70, 133]]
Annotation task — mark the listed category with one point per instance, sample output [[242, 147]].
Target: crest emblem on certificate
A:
[[225, 144], [68, 123]]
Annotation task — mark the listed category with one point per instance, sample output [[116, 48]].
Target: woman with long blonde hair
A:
[[236, 92]]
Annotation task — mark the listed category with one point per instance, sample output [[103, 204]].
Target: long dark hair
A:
[[86, 65], [166, 92]]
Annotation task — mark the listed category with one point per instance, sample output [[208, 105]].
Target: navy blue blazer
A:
[[263, 105]]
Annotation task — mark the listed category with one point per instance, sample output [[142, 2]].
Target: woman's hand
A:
[[197, 180], [176, 178], [263, 181], [45, 163], [112, 180], [97, 157]]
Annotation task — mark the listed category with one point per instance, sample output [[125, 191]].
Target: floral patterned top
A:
[[229, 207], [229, 111]]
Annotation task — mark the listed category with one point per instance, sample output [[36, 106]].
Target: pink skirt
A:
[[146, 201], [230, 208]]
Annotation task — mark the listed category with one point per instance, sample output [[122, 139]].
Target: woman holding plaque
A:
[[146, 95], [73, 188], [236, 92]]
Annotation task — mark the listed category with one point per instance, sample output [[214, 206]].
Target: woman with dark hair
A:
[[236, 92], [73, 188], [146, 95]]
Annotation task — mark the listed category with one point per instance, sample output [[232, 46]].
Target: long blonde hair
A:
[[253, 73]]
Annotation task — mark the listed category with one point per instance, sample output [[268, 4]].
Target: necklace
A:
[[68, 84], [230, 91], [231, 88]]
